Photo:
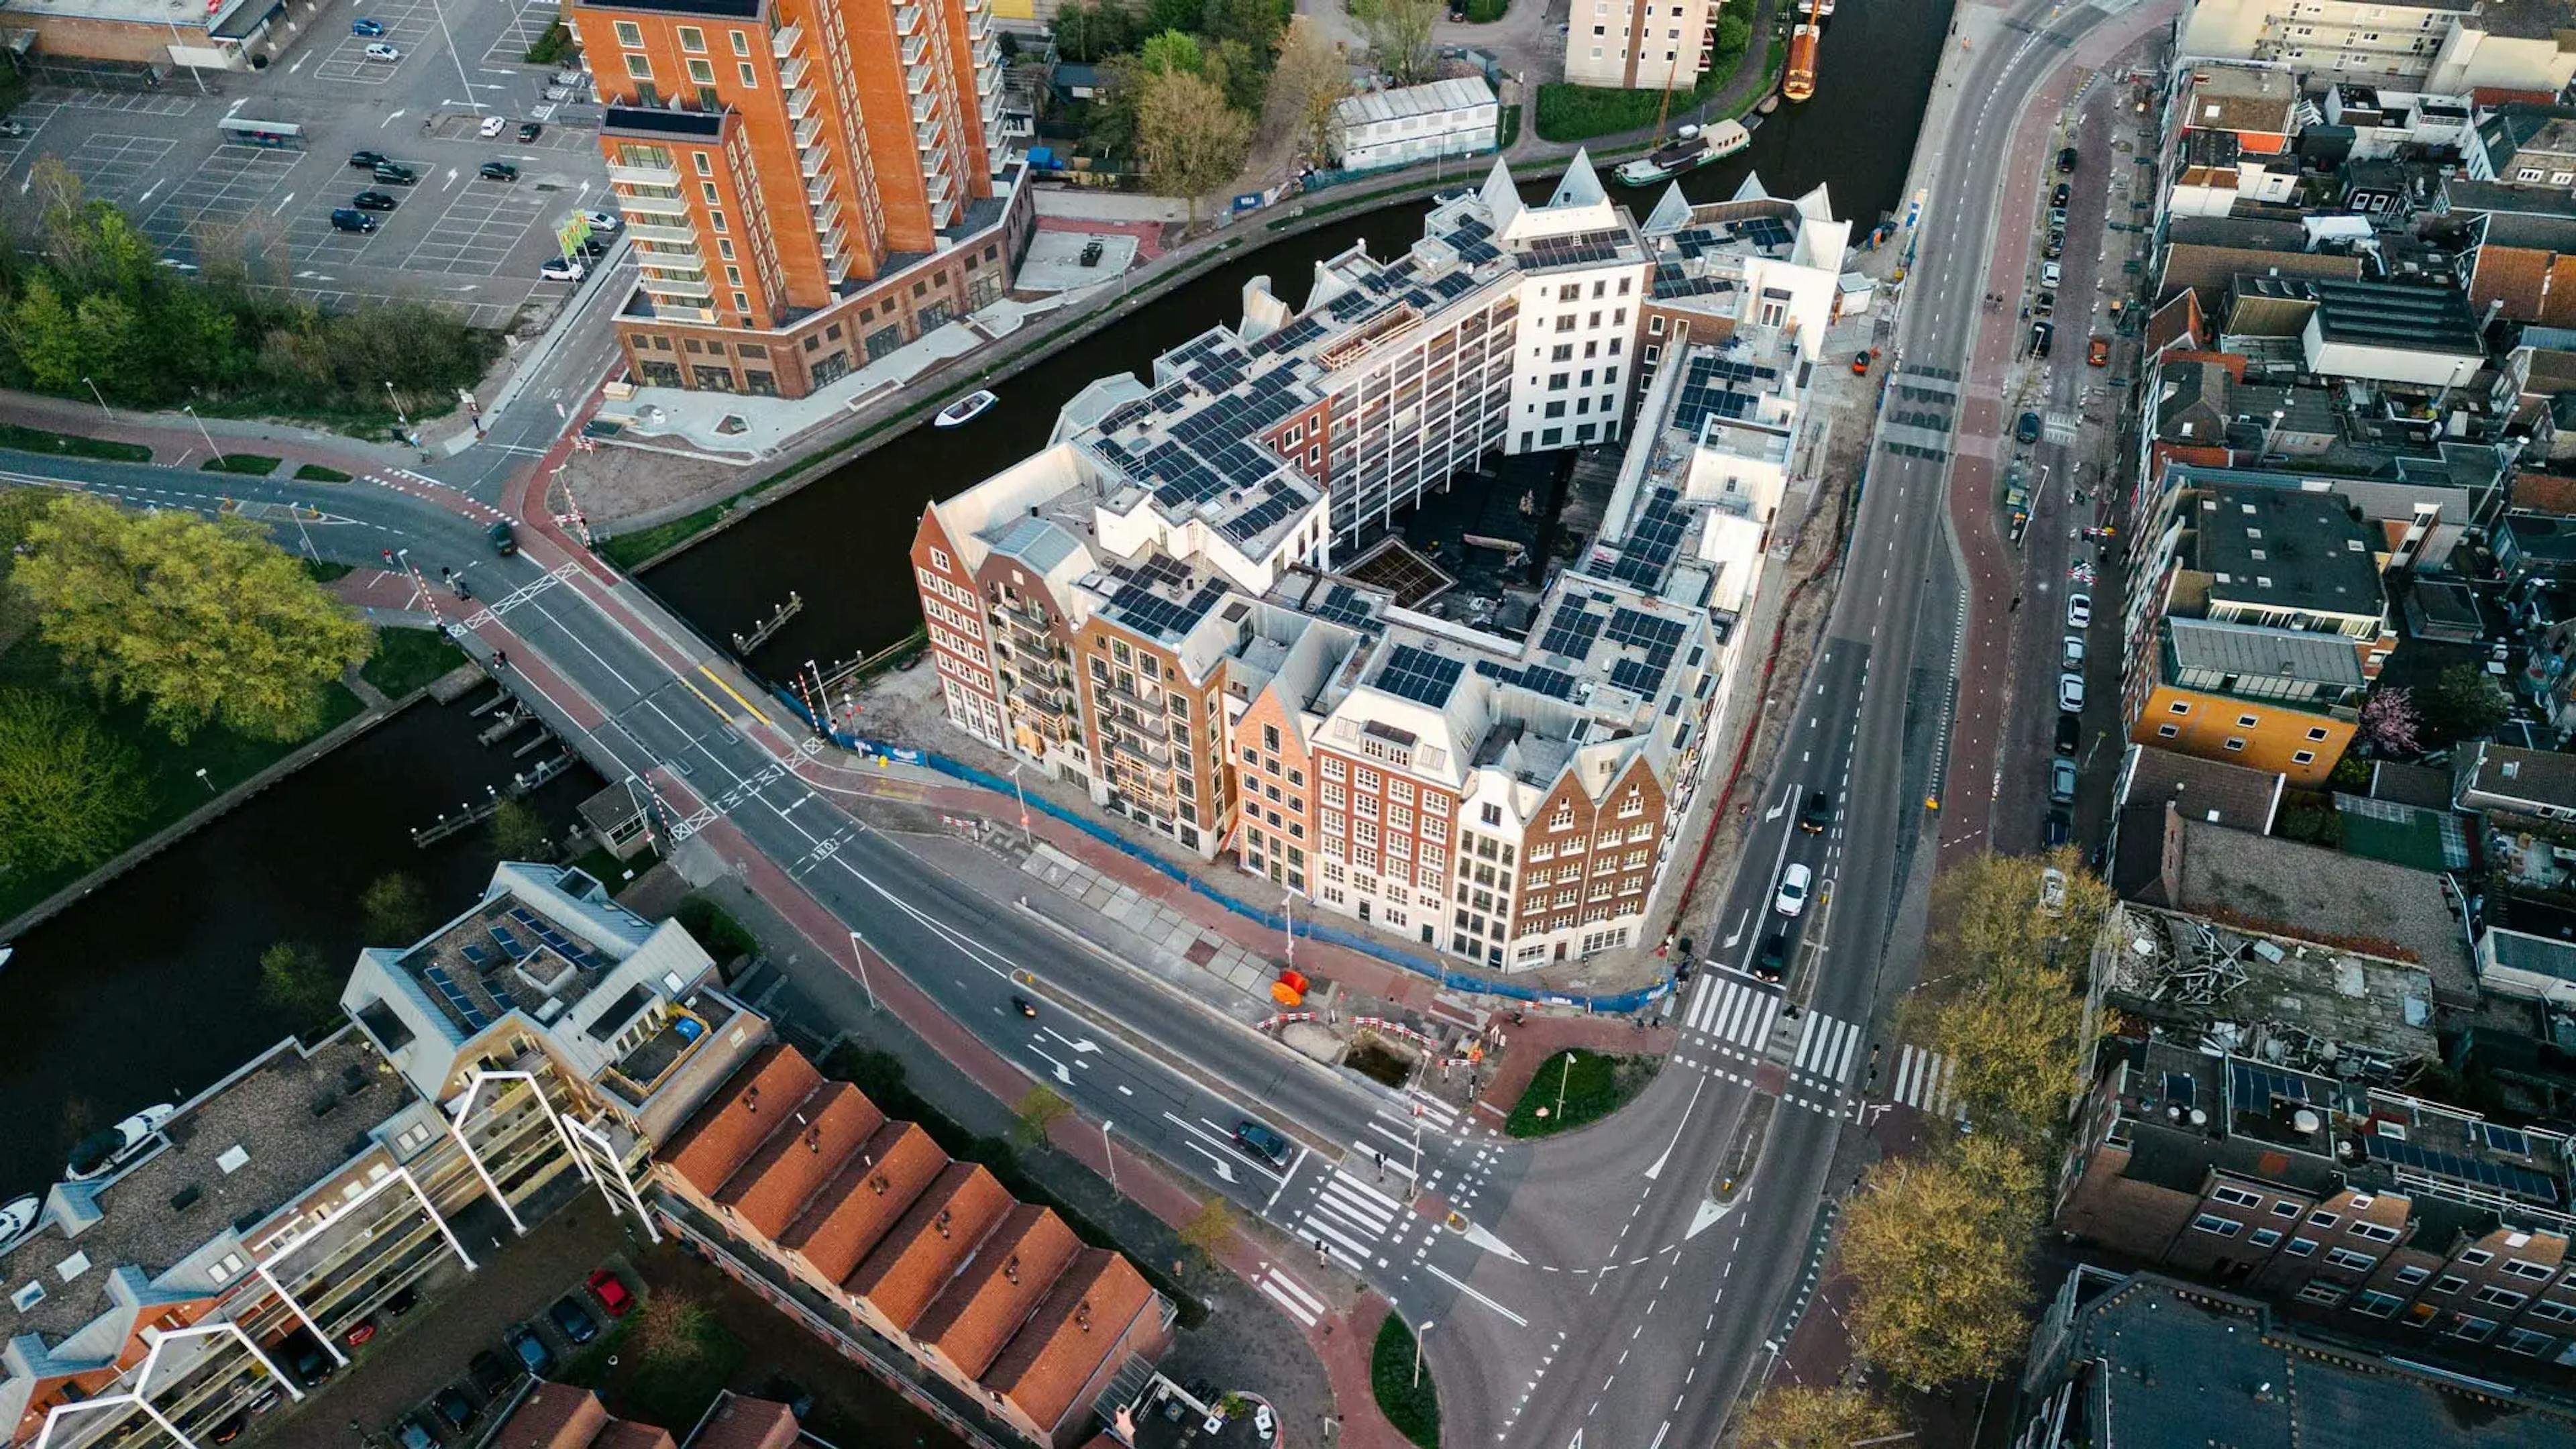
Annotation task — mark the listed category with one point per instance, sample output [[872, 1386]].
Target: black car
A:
[[348, 219], [373, 201], [573, 1319], [453, 1408], [2027, 430], [505, 542], [2056, 830], [2066, 159], [2056, 246], [369, 160], [2061, 194], [497, 171], [491, 1372], [1818, 814], [531, 130], [2042, 334], [2070, 733], [1261, 1142], [403, 1302], [1773, 959], [394, 173], [304, 1351]]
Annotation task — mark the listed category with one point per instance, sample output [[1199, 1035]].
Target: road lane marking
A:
[[730, 693], [1436, 1271]]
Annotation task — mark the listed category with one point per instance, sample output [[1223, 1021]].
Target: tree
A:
[[1308, 87], [2000, 996], [395, 908], [518, 833], [1090, 32], [45, 337], [1110, 127], [1399, 36], [71, 794], [2465, 703], [1936, 1248], [1038, 1113], [1172, 52], [294, 978], [1211, 1229], [669, 1328], [1191, 141], [204, 622], [2389, 723], [1797, 1416], [1734, 31]]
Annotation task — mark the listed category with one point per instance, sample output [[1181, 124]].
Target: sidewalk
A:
[[178, 440]]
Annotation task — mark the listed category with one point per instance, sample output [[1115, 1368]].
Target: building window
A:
[[2347, 1258], [2303, 757], [629, 33], [2372, 1303], [2524, 1341], [2168, 731], [2245, 721], [2412, 1274], [693, 40], [2232, 1196], [750, 76], [2238, 745], [2449, 1283], [2265, 1237], [2321, 1292], [2316, 733], [2301, 1247], [2223, 1227], [2178, 707], [639, 68], [2499, 1297], [2472, 1329]]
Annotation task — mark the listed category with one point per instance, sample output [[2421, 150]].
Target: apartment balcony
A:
[[915, 46], [925, 134], [800, 104], [988, 76], [979, 23], [916, 80], [828, 215], [644, 175], [923, 104], [988, 53], [649, 234], [806, 130], [677, 311], [783, 43], [688, 289], [818, 188], [811, 159], [652, 205], [791, 76], [907, 19]]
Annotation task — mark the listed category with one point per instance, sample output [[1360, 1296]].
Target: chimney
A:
[[1011, 1269], [751, 1097], [939, 1224], [1082, 1315]]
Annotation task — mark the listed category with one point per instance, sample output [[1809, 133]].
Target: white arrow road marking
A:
[[1224, 1169], [1086, 1044], [1061, 1073], [1656, 1169]]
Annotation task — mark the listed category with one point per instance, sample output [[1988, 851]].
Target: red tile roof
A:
[[740, 1423], [805, 1147], [716, 1142], [1078, 1327], [994, 1294], [935, 1236], [552, 1416], [2545, 493], [874, 1185], [627, 1434]]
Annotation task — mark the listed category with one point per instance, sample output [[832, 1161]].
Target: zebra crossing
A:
[[1735, 1012], [1826, 1046], [1923, 1081], [1296, 1299], [1349, 1219]]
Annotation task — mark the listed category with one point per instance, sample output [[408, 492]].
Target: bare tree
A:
[[1399, 36], [1190, 139], [1308, 87]]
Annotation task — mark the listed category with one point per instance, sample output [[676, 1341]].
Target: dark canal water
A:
[[844, 541]]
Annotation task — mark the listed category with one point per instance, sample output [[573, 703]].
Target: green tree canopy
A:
[[395, 909], [70, 793], [1802, 1416], [1191, 140], [294, 978], [1936, 1249], [204, 622]]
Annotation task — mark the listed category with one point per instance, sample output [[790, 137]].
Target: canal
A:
[[844, 541]]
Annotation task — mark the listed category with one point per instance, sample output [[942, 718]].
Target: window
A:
[[629, 33], [2348, 1259], [639, 68], [2285, 1209], [2524, 1341], [2265, 1237], [2500, 1297], [2223, 1227], [2301, 1247], [741, 41], [2168, 731], [2477, 1257], [2471, 1328], [2236, 1196], [2316, 733], [2178, 707], [2303, 757], [2374, 1232], [2372, 1303], [2449, 1283], [702, 72], [2550, 1310], [2236, 744], [2245, 721], [2412, 1274], [750, 77], [2323, 1219], [2322, 1292], [693, 40], [2521, 1269]]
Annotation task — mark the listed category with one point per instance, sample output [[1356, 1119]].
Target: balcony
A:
[[988, 53], [782, 44], [683, 259], [649, 234], [938, 187], [907, 20], [799, 104], [979, 24], [915, 46], [685, 288], [988, 78], [681, 312], [644, 175], [828, 214], [926, 136], [818, 188], [810, 160], [652, 205], [923, 103], [792, 74], [916, 80], [806, 130]]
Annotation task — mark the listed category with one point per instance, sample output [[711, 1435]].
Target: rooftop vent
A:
[[234, 1159]]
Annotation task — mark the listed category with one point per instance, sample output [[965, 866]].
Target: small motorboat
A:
[[102, 1152], [18, 1219], [964, 410]]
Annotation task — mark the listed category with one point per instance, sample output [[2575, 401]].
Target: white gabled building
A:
[[1584, 270], [1454, 117]]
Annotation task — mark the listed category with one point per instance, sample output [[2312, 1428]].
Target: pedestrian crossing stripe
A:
[[1925, 1080], [1295, 1297], [1826, 1047], [1732, 1011], [1431, 1109]]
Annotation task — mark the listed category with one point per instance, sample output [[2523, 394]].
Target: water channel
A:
[[148, 990]]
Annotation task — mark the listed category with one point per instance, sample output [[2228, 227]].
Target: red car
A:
[[612, 1294], [362, 1333]]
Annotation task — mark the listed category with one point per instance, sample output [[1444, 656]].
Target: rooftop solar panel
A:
[[2504, 1176], [466, 1010], [1571, 632], [2253, 1087], [1289, 338], [1637, 675], [1342, 605], [1419, 675], [1537, 678]]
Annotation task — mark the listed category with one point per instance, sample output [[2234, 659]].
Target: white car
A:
[[2048, 274], [2070, 693], [1794, 884], [378, 50], [492, 126], [604, 222], [561, 269], [2079, 610], [2070, 653]]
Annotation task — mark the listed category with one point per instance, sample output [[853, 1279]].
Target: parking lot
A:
[[201, 195]]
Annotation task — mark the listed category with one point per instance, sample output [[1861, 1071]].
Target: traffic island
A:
[[1402, 1385], [1575, 1088]]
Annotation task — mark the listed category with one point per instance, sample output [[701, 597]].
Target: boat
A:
[[1800, 81], [1824, 9], [1769, 104], [102, 1152], [18, 1219], [964, 410], [1718, 142]]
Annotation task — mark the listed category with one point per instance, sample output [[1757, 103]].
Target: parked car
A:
[[369, 160], [348, 218], [230, 1429], [413, 1433], [365, 1330], [562, 269], [531, 130], [532, 1352], [2070, 733], [2066, 159], [491, 1372], [1818, 814], [364, 26], [2044, 305], [305, 1352], [2079, 610], [453, 1408], [373, 201], [2061, 195], [492, 126], [2070, 651], [13, 128], [604, 221], [497, 171], [573, 1319], [2042, 335], [2048, 270], [2098, 352], [2056, 829], [2027, 428], [2057, 218], [2056, 248], [394, 173], [1795, 883], [2061, 780], [381, 51], [2070, 693], [1860, 363], [611, 1293], [1262, 1142], [1773, 959]]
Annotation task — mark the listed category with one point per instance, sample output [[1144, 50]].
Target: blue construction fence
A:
[[1306, 928]]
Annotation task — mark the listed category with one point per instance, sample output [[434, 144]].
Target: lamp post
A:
[[1419, 1334], [859, 952], [1025, 837], [399, 415], [1107, 1152], [191, 410], [102, 398], [203, 780]]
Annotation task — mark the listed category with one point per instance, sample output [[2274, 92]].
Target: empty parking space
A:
[[528, 21], [117, 167], [410, 27], [140, 103], [231, 190], [478, 230], [31, 117]]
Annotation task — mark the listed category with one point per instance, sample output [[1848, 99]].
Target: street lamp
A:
[[191, 410], [1107, 1152], [102, 398], [859, 952], [1418, 1335], [203, 780], [403, 417], [1025, 837]]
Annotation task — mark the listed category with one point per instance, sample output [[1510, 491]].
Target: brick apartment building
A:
[[809, 184], [2373, 1212], [1150, 610], [872, 1228]]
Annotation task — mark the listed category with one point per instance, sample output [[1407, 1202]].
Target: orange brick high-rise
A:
[[809, 184]]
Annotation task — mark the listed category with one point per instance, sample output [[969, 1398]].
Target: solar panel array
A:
[[1278, 500], [1537, 678], [1767, 231], [1653, 541], [1127, 414], [1709, 387], [2521, 1182], [1672, 281], [1210, 362], [1473, 242], [2253, 1087], [1571, 632], [1581, 249], [1287, 339], [2505, 1139], [1352, 306], [466, 1010], [1153, 613], [1656, 639], [1419, 675]]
